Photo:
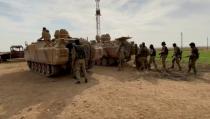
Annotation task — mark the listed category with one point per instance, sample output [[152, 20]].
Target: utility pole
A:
[[181, 40], [98, 21], [207, 43]]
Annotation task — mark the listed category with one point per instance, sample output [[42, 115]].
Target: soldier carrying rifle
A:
[[177, 56], [163, 55], [193, 57]]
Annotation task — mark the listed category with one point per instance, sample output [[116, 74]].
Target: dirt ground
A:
[[110, 94]]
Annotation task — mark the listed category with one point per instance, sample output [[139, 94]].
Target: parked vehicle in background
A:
[[16, 51]]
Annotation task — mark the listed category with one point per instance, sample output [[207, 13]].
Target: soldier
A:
[[176, 56], [121, 55], [152, 57], [136, 49], [163, 55], [45, 34], [143, 54], [193, 58], [138, 57], [78, 60]]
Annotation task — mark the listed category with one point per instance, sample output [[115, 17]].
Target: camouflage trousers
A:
[[80, 68], [163, 59], [192, 65], [152, 61], [177, 60], [143, 63]]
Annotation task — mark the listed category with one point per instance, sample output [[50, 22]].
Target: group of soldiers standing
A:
[[145, 57]]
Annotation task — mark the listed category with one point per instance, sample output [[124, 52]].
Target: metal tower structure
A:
[[98, 21], [181, 40], [207, 43]]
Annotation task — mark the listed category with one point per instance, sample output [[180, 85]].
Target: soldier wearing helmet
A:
[[121, 55], [152, 52], [176, 56], [163, 55], [138, 58], [142, 56], [136, 49], [78, 58], [193, 57], [45, 35]]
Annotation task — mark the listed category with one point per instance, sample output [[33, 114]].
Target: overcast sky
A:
[[151, 21]]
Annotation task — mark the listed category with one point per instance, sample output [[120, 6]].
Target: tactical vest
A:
[[80, 52]]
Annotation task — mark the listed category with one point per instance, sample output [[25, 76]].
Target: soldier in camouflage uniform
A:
[[143, 54], [193, 58], [138, 58], [176, 56], [78, 60], [136, 49], [121, 53], [152, 57], [45, 35], [163, 55]]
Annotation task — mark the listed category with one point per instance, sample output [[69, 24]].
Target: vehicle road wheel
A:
[[32, 66], [29, 64], [48, 70], [43, 69], [111, 61]]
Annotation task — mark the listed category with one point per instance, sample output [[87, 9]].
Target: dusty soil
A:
[[108, 95]]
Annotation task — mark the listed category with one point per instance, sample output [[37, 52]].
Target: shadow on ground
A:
[[131, 74], [23, 90]]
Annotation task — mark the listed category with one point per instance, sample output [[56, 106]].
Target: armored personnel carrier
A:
[[106, 52], [51, 57]]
